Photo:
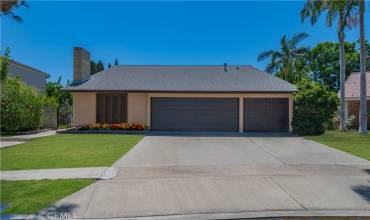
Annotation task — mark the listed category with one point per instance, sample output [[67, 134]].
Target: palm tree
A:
[[363, 105], [343, 11], [288, 63], [7, 7]]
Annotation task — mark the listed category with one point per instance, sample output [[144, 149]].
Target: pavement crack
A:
[[89, 202], [267, 151], [287, 192]]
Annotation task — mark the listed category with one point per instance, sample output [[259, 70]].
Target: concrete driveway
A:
[[228, 177]]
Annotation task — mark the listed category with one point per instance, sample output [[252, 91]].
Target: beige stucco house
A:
[[225, 98]]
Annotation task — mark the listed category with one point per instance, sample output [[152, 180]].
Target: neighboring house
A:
[[29, 75], [181, 98], [352, 94]]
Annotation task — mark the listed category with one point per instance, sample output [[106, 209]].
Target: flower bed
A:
[[121, 126]]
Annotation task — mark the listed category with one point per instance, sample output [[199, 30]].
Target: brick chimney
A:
[[81, 65]]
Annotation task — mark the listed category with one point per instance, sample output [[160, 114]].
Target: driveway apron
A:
[[214, 177]]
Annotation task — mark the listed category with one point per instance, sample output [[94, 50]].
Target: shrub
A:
[[351, 122], [333, 123], [314, 106], [21, 106]]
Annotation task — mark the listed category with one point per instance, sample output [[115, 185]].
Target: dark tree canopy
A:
[[92, 67], [96, 66], [324, 65], [99, 66]]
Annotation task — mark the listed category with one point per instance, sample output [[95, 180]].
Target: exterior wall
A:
[[84, 108], [29, 77], [138, 105], [353, 108], [137, 108], [240, 96]]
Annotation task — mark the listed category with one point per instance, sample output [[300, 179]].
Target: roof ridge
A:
[[28, 67]]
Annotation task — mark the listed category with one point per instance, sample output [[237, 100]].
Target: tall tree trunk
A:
[[342, 75], [363, 104]]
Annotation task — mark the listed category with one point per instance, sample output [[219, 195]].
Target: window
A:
[[111, 108]]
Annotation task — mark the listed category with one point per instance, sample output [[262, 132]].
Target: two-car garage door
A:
[[195, 114], [219, 114]]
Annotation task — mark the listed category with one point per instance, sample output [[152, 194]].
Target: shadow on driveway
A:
[[363, 191]]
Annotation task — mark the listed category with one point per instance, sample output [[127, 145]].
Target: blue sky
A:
[[155, 32]]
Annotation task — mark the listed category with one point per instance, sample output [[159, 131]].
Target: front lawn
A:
[[67, 151], [26, 197], [351, 142]]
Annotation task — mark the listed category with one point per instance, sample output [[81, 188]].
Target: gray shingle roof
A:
[[183, 79]]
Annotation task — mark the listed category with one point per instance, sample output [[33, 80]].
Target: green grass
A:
[[351, 142], [67, 151], [26, 197]]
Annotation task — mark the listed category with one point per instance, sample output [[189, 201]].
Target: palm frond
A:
[[351, 18], [264, 55], [312, 9], [272, 67], [296, 39], [17, 18], [331, 15]]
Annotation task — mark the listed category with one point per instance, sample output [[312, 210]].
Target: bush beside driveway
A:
[[67, 151]]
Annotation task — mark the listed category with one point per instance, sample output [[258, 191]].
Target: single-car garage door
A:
[[266, 114], [195, 114]]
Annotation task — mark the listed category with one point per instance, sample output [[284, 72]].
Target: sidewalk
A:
[[19, 139], [65, 173]]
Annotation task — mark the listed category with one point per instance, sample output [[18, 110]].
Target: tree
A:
[[289, 62], [7, 7], [99, 66], [96, 66], [63, 98], [54, 89], [324, 66], [5, 60], [363, 103], [116, 62], [93, 67], [314, 105], [343, 11]]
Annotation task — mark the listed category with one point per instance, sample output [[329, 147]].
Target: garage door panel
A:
[[266, 114], [194, 114]]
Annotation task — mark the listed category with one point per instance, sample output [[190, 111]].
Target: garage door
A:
[[194, 114], [266, 114]]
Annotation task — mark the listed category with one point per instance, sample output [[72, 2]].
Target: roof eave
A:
[[172, 91]]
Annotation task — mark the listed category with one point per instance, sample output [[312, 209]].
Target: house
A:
[[29, 75], [352, 94], [226, 98]]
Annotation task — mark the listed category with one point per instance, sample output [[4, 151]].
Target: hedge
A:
[[314, 105], [21, 106]]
